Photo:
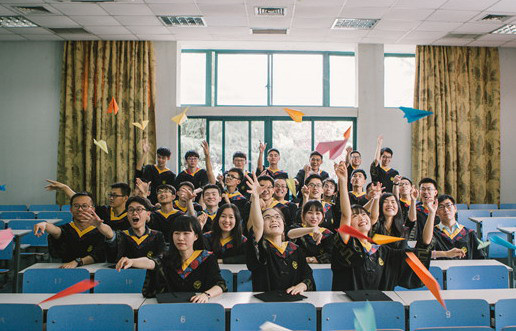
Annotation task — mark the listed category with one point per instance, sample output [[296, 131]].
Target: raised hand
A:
[[54, 185], [203, 218], [205, 148], [414, 193], [254, 186], [341, 170], [91, 217], [397, 179], [379, 140], [262, 147], [40, 228], [143, 187], [145, 146], [377, 190], [432, 206]]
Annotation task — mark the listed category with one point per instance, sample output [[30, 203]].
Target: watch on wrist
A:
[[79, 262], [207, 294]]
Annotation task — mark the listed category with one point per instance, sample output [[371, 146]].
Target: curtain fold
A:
[[459, 145], [93, 72]]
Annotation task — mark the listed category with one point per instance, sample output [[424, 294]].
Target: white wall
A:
[[29, 119]]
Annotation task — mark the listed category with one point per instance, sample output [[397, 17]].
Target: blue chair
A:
[[504, 314], [228, 277], [66, 216], [340, 316], [464, 215], [182, 316], [29, 239], [291, 315], [13, 208], [429, 313], [458, 328], [438, 275], [508, 206], [244, 282], [44, 208], [477, 277], [52, 280], [2, 225], [123, 281], [492, 224], [6, 255], [497, 251], [503, 213], [8, 215], [461, 206], [483, 206], [90, 317], [323, 279], [65, 208], [17, 316]]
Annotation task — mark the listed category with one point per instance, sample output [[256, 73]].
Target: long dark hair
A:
[[184, 223], [216, 231], [397, 228], [357, 209]]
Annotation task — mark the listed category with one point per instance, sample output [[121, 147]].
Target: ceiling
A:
[[402, 22]]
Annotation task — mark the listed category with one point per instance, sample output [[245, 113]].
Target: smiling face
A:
[[273, 158], [267, 190], [385, 159], [428, 193], [165, 196], [315, 162], [227, 220], [390, 206], [315, 189], [356, 160], [313, 217], [232, 179], [280, 189], [184, 240], [405, 187], [211, 197], [137, 215], [80, 205], [361, 221], [273, 223]]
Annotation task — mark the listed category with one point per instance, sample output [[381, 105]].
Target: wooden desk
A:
[[490, 295]]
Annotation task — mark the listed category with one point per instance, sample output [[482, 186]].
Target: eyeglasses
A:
[[447, 206], [266, 187], [276, 217], [77, 206], [231, 177], [135, 210], [114, 196], [312, 185], [427, 189], [280, 186]]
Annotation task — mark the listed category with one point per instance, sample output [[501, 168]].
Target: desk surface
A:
[[483, 219], [21, 233], [318, 299], [490, 295], [445, 264], [135, 300], [90, 267], [48, 220], [508, 230]]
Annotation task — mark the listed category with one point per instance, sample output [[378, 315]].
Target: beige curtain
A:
[[92, 73], [459, 145]]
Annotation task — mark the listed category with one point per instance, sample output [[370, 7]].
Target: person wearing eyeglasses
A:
[[312, 168], [163, 218], [138, 240], [76, 243], [192, 173], [427, 195], [353, 161], [381, 170], [233, 183]]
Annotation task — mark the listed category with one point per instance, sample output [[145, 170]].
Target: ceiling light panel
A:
[[506, 29], [16, 22], [354, 24]]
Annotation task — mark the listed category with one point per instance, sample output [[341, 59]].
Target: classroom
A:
[[146, 135]]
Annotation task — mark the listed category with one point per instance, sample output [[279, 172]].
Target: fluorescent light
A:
[[506, 29], [15, 22], [190, 21], [354, 23]]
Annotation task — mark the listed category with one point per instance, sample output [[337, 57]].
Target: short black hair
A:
[[211, 186], [273, 150], [313, 176], [386, 149], [124, 187], [81, 194], [239, 154], [330, 180], [368, 186], [362, 171], [142, 201], [186, 183], [238, 171], [191, 153], [408, 179], [164, 151], [316, 153], [265, 177], [355, 152], [428, 180], [168, 187], [443, 197], [316, 204]]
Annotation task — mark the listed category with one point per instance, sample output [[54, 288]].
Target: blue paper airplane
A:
[[412, 114], [2, 187], [502, 242]]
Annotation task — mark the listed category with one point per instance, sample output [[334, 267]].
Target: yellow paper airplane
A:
[[180, 118], [381, 239], [291, 184], [141, 125], [101, 144], [296, 115]]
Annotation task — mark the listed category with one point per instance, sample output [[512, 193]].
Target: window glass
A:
[[193, 78], [193, 132], [328, 131], [342, 81], [237, 139], [216, 146], [257, 136], [294, 142], [399, 81]]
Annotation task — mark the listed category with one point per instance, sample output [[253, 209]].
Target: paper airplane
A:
[[425, 276], [295, 115], [113, 106], [6, 236], [101, 144], [347, 134], [364, 318], [502, 242], [482, 244], [2, 187], [381, 239], [291, 184], [412, 114], [353, 232], [141, 125], [335, 148], [80, 287], [181, 117]]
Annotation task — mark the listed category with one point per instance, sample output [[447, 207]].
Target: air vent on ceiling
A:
[[270, 11], [354, 23], [462, 36], [269, 31], [506, 29], [15, 22], [189, 21], [69, 31], [32, 10], [495, 18]]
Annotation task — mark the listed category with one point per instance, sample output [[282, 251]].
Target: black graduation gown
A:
[[322, 251], [151, 173], [127, 243], [74, 243], [357, 199], [199, 178], [227, 251], [116, 222], [464, 238], [163, 222], [386, 177]]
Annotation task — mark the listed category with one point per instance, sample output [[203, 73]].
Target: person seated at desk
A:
[[163, 218], [77, 243], [225, 239], [274, 264], [451, 239], [137, 241], [181, 269]]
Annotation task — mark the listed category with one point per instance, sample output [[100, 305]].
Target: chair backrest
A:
[[7, 215], [477, 277], [461, 206], [464, 215], [323, 279], [492, 224], [505, 313], [44, 208], [340, 316], [123, 281], [483, 206], [182, 316], [29, 238], [66, 216], [437, 272], [18, 316], [244, 282], [458, 328], [90, 317], [52, 280], [2, 225], [429, 313], [65, 208], [7, 252], [497, 251], [291, 315], [13, 208], [228, 277], [503, 213], [508, 206]]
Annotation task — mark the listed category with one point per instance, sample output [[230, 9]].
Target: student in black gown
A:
[[182, 268]]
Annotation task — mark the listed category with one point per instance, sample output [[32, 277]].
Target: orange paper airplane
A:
[[113, 106], [347, 134], [295, 115], [425, 276], [381, 239]]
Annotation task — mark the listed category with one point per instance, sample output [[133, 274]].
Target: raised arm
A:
[[143, 156], [98, 222], [51, 229], [262, 148], [428, 230], [375, 205], [412, 216], [54, 185], [255, 221], [345, 207], [349, 149], [139, 263], [209, 167], [396, 187], [379, 143]]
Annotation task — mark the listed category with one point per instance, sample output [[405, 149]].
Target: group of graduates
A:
[[181, 227]]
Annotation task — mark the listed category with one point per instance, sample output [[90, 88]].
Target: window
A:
[[399, 80], [342, 81], [193, 78]]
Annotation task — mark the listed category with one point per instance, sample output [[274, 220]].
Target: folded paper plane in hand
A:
[[113, 106], [181, 117], [6, 236], [295, 115], [482, 244], [412, 114], [335, 148], [141, 125], [101, 144]]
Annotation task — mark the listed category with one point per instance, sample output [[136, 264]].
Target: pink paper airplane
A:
[[6, 236], [335, 148]]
